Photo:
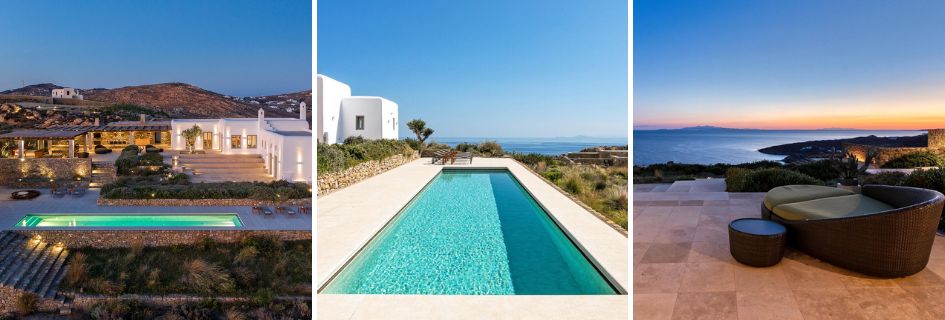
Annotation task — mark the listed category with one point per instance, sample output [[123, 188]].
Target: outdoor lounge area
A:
[[684, 268]]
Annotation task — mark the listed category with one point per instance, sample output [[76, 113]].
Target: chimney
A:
[[141, 117], [96, 122], [302, 110]]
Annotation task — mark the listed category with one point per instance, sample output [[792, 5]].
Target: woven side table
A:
[[756, 242]]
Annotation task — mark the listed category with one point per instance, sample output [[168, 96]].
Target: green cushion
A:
[[799, 193], [833, 207]]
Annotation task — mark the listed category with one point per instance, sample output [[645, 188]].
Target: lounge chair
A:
[[886, 231], [289, 211], [78, 192], [266, 211], [58, 192], [464, 155], [439, 154]]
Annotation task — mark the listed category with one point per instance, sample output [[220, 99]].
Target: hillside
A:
[[39, 90], [181, 100]]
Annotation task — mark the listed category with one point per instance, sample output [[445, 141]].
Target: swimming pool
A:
[[471, 232], [130, 220]]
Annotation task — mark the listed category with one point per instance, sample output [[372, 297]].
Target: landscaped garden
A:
[[257, 267], [146, 176]]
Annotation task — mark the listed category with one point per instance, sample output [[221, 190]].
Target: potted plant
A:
[[850, 168]]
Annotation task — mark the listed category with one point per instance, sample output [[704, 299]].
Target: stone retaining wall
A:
[[197, 202], [52, 168], [883, 154], [336, 180], [154, 238], [86, 301]]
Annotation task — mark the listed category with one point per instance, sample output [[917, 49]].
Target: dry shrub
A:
[[207, 278], [244, 276], [101, 285], [154, 278], [246, 255], [78, 269], [234, 314], [26, 303]]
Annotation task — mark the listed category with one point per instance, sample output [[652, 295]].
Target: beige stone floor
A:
[[683, 269]]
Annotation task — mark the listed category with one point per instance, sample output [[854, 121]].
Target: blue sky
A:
[[485, 68], [231, 47], [789, 64]]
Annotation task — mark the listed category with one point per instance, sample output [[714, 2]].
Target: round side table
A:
[[756, 242]]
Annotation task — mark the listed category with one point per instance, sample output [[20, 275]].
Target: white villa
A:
[[68, 93], [340, 115], [284, 144]]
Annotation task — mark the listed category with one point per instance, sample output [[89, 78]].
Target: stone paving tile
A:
[[658, 277], [887, 303], [831, 304], [925, 278], [751, 279], [639, 249], [708, 277], [768, 305], [931, 300], [655, 306], [706, 306], [704, 251], [667, 253]]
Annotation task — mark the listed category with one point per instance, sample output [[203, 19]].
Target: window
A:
[[235, 142], [359, 123], [251, 142], [157, 137]]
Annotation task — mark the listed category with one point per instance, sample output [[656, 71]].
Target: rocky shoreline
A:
[[819, 149]]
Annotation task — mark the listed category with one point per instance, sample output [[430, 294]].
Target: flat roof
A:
[[294, 133], [117, 127], [42, 134]]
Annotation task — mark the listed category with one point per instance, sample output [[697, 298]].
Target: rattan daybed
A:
[[893, 242]]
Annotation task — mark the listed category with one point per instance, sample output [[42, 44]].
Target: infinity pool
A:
[[129, 220], [471, 232]]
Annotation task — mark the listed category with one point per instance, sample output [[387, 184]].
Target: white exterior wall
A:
[[328, 95], [294, 152], [69, 93]]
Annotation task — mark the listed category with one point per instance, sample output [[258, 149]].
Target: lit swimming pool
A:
[[130, 220], [471, 232]]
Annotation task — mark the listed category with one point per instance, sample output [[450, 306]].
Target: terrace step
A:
[[102, 173], [32, 265], [224, 167]]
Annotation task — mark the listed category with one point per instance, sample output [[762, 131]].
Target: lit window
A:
[[235, 142], [251, 141]]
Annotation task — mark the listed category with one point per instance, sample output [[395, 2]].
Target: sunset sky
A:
[[789, 64]]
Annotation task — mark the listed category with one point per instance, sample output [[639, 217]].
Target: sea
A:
[[730, 146], [546, 146]]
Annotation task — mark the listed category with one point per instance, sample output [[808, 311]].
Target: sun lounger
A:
[[464, 155], [439, 154], [78, 192], [289, 211], [58, 192], [266, 211]]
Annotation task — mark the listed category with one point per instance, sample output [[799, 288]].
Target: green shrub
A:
[[467, 147], [763, 180], [735, 179], [573, 184], [553, 175], [132, 147], [822, 170], [891, 178], [933, 179], [534, 158], [128, 188], [915, 160], [354, 140], [337, 157], [490, 149], [180, 179], [150, 159]]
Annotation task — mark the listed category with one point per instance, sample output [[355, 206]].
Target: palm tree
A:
[[190, 137], [420, 129]]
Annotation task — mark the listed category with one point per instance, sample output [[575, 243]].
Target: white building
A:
[[68, 93], [285, 144], [340, 115]]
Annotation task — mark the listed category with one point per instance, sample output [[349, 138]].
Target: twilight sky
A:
[[789, 64], [236, 47], [485, 68]]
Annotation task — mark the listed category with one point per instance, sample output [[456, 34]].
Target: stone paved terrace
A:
[[11, 211], [683, 268], [349, 217]]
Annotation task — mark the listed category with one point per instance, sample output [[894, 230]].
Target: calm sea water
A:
[[547, 146], [708, 147]]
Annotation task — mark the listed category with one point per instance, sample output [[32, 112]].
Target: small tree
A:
[[190, 137], [849, 166], [420, 129]]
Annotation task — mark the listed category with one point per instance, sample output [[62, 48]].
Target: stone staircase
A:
[[102, 173], [32, 265], [215, 167]]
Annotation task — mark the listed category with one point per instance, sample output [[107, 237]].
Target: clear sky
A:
[[789, 64], [237, 48], [485, 68]]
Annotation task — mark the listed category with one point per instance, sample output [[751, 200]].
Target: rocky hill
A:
[[179, 100], [40, 90]]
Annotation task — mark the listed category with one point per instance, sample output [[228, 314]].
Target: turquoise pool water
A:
[[471, 232], [129, 220]]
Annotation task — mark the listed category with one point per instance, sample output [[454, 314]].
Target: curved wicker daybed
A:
[[892, 243]]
